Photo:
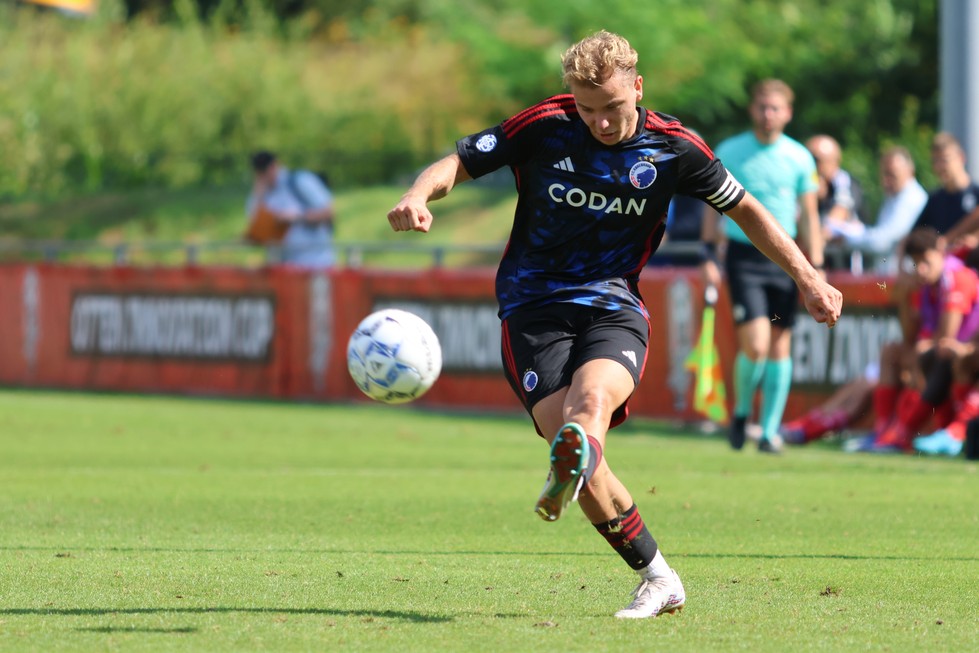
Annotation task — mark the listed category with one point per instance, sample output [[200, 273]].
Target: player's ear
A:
[[638, 86]]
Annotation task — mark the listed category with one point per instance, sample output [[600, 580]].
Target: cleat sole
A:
[[569, 458]]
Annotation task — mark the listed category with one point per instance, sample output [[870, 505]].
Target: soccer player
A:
[[595, 173], [781, 173]]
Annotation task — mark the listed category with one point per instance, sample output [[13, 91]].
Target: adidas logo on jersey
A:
[[565, 164], [631, 355]]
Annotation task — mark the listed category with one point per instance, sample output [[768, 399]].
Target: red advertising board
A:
[[282, 333]]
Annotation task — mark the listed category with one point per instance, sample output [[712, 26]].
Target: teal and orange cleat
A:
[[569, 459]]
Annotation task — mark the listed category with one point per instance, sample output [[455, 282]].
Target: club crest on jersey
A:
[[642, 174], [530, 380], [486, 143]]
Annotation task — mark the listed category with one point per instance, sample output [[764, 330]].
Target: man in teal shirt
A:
[[781, 173]]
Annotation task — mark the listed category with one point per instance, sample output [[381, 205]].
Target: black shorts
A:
[[542, 347], [759, 287]]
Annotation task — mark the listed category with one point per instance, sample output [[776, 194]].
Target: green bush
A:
[[86, 105], [178, 94]]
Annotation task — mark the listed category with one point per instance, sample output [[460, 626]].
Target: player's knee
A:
[[592, 402], [755, 352]]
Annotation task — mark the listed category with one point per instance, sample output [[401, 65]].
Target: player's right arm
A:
[[506, 144], [434, 182]]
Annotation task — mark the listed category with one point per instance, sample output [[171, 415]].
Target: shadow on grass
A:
[[110, 630], [65, 552], [416, 617]]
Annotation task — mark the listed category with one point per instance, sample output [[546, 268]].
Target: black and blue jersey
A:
[[589, 215]]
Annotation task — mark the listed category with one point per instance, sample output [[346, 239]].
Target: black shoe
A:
[[767, 446], [735, 434]]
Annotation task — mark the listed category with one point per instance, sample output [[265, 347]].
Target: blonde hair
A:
[[767, 86], [593, 60]]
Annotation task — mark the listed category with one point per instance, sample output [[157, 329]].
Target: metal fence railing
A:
[[354, 255], [237, 252]]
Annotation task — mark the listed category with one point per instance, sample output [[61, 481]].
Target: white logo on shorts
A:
[[631, 355], [530, 380], [486, 143]]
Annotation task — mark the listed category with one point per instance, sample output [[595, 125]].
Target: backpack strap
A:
[[292, 180]]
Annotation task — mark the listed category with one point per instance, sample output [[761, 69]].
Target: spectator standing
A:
[[781, 173], [904, 200], [299, 206]]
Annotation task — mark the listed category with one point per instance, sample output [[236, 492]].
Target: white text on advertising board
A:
[[179, 326], [834, 356], [468, 333]]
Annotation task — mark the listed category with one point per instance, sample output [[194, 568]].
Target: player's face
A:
[[609, 110], [928, 267], [770, 113]]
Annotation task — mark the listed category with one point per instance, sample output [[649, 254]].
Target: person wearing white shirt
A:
[[904, 199]]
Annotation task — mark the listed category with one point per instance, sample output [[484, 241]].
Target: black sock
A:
[[630, 538]]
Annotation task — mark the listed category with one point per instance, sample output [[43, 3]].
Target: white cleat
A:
[[654, 597]]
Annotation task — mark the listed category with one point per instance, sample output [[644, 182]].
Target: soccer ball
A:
[[394, 356]]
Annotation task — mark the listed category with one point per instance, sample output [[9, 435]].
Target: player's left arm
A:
[[703, 175], [823, 301]]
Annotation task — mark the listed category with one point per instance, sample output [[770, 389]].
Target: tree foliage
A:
[[396, 81]]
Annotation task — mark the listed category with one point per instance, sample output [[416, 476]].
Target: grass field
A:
[[165, 524]]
